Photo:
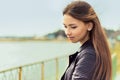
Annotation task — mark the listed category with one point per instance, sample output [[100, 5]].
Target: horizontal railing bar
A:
[[47, 60]]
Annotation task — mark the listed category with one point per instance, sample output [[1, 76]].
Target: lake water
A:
[[14, 54]]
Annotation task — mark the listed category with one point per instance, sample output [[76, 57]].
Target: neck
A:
[[83, 41]]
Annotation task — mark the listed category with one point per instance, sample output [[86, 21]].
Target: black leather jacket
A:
[[81, 64]]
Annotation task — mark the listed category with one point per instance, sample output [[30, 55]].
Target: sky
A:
[[39, 17]]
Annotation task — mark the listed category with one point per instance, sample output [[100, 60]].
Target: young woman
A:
[[93, 60]]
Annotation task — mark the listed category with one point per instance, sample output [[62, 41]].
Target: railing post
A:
[[20, 73], [57, 68], [114, 65], [42, 70]]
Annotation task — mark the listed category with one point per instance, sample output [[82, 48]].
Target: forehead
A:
[[67, 19]]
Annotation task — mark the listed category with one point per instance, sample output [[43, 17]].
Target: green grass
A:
[[115, 50]]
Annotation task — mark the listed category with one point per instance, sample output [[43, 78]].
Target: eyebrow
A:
[[70, 24]]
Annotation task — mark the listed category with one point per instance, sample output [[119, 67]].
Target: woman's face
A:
[[76, 30]]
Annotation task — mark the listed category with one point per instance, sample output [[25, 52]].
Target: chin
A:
[[74, 41]]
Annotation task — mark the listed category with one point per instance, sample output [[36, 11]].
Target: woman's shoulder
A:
[[87, 54], [87, 51]]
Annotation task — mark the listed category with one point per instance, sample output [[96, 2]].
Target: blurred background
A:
[[32, 39]]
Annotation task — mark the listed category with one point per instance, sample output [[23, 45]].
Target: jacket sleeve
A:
[[84, 67]]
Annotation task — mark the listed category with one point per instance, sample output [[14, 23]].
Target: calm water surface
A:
[[14, 54]]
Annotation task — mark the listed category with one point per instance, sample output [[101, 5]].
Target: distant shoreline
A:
[[12, 40]]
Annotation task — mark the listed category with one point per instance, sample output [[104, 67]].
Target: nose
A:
[[68, 32]]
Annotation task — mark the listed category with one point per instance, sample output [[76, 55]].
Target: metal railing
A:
[[114, 66], [44, 70]]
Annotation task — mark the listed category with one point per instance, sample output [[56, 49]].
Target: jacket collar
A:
[[73, 56], [84, 45]]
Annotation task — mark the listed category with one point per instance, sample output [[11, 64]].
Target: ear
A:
[[90, 26]]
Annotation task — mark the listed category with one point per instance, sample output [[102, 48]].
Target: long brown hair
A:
[[83, 11]]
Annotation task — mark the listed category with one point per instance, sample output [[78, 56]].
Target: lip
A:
[[71, 38]]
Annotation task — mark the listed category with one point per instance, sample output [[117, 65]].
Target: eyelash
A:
[[71, 27], [74, 27], [65, 26]]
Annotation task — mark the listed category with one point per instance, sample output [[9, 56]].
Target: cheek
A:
[[77, 32], [80, 31]]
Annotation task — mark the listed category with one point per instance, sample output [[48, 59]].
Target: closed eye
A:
[[74, 27], [65, 26]]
